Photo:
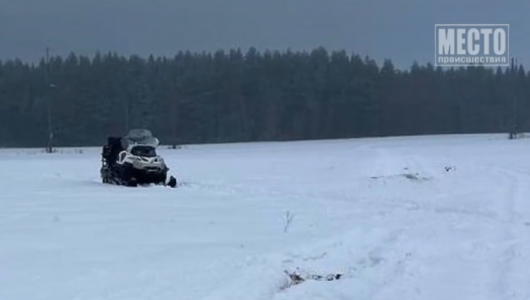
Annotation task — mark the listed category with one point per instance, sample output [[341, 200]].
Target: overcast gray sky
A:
[[402, 30]]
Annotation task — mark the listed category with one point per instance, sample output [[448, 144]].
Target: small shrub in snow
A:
[[287, 219], [449, 169]]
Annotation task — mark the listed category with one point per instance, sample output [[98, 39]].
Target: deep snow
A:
[[385, 212]]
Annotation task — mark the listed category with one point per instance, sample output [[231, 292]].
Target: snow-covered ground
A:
[[444, 217]]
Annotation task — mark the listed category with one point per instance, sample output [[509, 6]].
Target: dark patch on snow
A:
[[296, 278], [414, 176], [409, 176]]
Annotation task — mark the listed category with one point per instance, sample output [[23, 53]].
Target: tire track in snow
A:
[[474, 283], [510, 240], [370, 267]]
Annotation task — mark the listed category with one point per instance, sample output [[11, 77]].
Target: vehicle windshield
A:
[[145, 151]]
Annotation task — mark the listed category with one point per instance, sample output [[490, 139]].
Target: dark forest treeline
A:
[[251, 96]]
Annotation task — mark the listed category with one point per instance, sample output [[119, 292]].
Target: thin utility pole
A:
[[176, 98], [49, 85], [515, 99]]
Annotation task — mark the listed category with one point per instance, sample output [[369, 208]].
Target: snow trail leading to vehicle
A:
[[434, 217]]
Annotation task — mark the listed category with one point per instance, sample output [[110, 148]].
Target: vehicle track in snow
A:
[[513, 234], [501, 247]]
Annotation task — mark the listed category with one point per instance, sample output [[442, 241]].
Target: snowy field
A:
[[428, 218]]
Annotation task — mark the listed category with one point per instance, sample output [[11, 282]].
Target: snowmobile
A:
[[132, 160]]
